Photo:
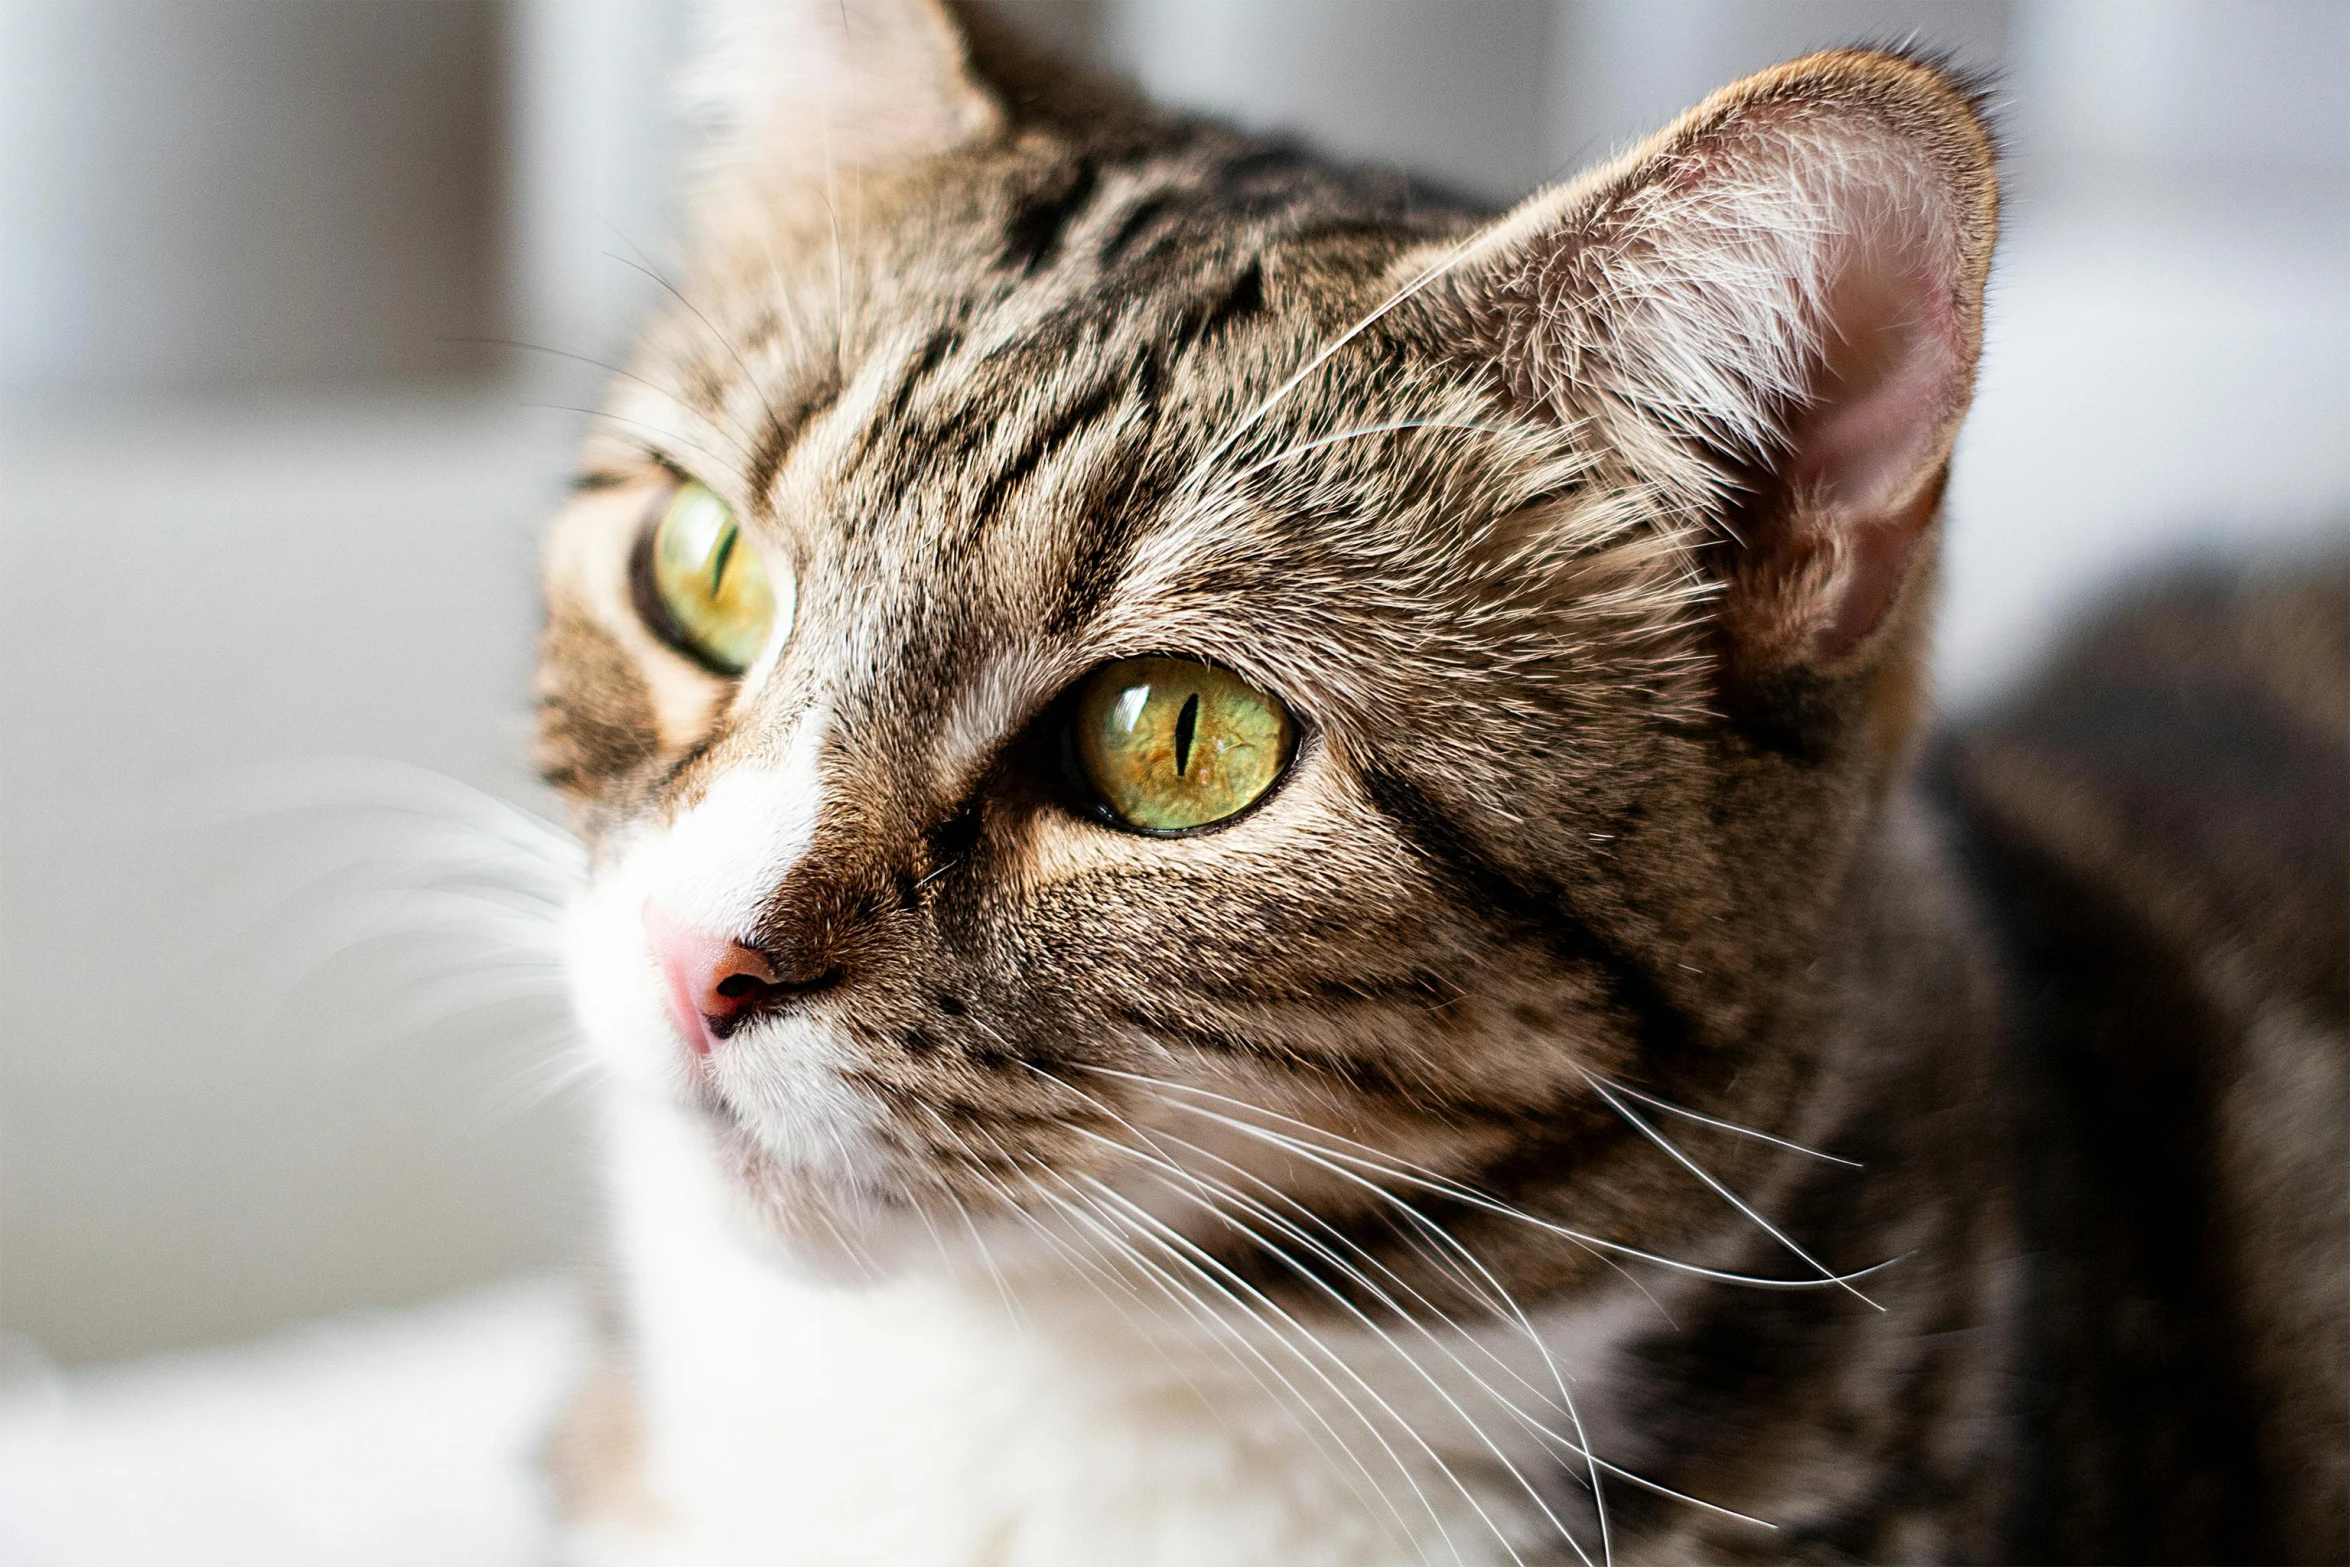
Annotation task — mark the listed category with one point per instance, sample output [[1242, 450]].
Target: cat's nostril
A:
[[716, 984], [740, 977]]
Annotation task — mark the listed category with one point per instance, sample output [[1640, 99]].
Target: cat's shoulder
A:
[[2190, 757], [2158, 830]]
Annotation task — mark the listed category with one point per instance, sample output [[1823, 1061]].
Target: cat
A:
[[1269, 883]]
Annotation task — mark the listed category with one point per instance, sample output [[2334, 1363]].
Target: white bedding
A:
[[395, 1438]]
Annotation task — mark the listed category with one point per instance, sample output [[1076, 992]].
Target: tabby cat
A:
[[1268, 887]]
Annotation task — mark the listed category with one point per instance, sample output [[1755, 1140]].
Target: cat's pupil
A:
[[720, 556], [1186, 726]]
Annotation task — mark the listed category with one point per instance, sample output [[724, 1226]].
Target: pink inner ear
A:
[[1891, 370]]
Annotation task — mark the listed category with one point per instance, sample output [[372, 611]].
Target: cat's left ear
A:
[[1771, 313], [801, 91]]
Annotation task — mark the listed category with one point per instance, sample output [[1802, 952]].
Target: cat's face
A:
[[1082, 639]]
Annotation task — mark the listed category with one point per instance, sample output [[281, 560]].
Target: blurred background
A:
[[275, 455]]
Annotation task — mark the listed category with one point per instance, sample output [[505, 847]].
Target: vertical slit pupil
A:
[[1186, 726], [719, 558]]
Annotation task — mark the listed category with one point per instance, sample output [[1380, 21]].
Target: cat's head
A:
[[1082, 635]]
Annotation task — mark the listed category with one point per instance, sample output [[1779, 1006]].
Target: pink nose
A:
[[715, 982]]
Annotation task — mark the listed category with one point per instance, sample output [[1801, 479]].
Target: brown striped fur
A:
[[1611, 707]]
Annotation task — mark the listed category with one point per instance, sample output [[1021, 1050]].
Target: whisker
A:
[[1732, 1198], [1101, 1223], [1439, 1186], [1165, 1168], [1172, 1166], [1221, 1334], [1203, 1258], [1444, 1187], [1338, 1298], [1506, 1306], [711, 327], [1157, 1157], [560, 1066], [662, 436], [1215, 1188], [1003, 1194], [840, 304], [388, 790], [1013, 1205], [1248, 421], [1686, 1114], [1119, 1236], [618, 373]]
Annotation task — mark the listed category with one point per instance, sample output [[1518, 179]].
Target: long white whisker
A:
[[1229, 1332], [1727, 1195], [1291, 1343], [1157, 1157], [1338, 1298], [1102, 1278], [1212, 1188], [1169, 1166], [374, 784], [1440, 1186], [1458, 1193], [1003, 1194], [1228, 1339], [1669, 1108], [1249, 420], [1176, 1238], [1013, 1205], [1174, 1166], [1505, 1305], [1579, 1448], [560, 1066]]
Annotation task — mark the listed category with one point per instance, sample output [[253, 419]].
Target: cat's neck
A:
[[1918, 1199]]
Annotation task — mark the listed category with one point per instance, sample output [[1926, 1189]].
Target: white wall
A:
[[253, 570], [200, 194], [1455, 92]]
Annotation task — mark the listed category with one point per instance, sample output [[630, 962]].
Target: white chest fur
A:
[[932, 1420]]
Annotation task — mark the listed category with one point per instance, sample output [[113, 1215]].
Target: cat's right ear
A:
[[1769, 317], [802, 92]]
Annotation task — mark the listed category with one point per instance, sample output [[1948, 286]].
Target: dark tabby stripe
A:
[[1062, 427], [1657, 1025], [785, 419], [1032, 240], [936, 349]]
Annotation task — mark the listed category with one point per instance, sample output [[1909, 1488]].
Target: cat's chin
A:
[[815, 1219]]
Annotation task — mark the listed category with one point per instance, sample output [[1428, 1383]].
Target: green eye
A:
[[713, 596], [1170, 745]]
